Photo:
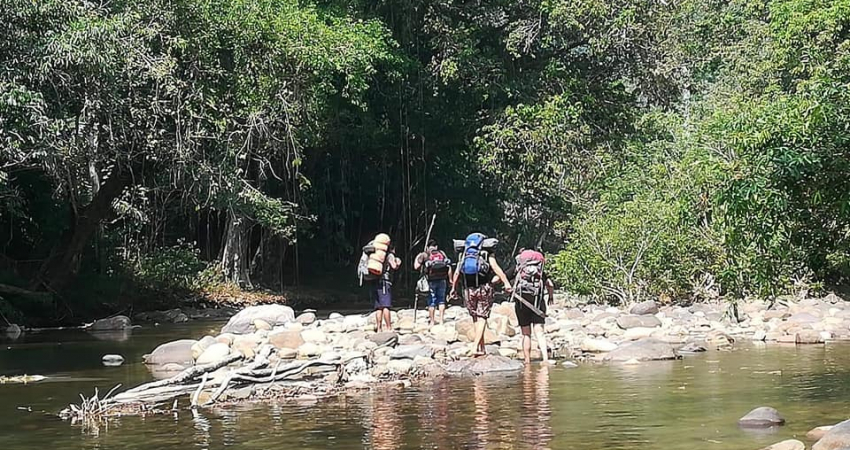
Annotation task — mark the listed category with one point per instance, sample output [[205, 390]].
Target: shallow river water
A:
[[689, 404]]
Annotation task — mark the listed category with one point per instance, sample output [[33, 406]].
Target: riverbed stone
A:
[[790, 444], [761, 417], [260, 325], [309, 350], [385, 338], [287, 353], [803, 318], [306, 318], [484, 365], [809, 337], [818, 433], [400, 366], [176, 352], [411, 352], [243, 321], [631, 321], [314, 335], [445, 332], [643, 350], [648, 307], [12, 331], [837, 438], [175, 315], [597, 345], [213, 353], [111, 324]]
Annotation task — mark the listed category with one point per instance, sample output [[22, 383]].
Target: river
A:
[[689, 404]]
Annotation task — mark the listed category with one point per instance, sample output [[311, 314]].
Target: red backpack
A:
[[529, 265], [437, 264]]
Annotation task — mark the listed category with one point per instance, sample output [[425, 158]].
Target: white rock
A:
[[597, 345], [213, 353], [314, 335]]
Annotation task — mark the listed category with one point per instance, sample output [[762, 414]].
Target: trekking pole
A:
[[416, 294]]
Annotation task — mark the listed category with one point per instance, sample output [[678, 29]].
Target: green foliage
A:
[[169, 269]]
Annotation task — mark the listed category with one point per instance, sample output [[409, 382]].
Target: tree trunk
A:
[[60, 268], [234, 254]]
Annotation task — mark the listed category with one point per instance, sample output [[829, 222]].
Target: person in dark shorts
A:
[[437, 267], [531, 282], [381, 293]]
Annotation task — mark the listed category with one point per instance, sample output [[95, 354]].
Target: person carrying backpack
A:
[[530, 282], [436, 266], [478, 266], [377, 265]]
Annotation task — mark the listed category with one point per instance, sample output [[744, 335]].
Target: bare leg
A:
[[526, 343], [541, 341], [431, 320], [379, 317], [387, 316], [442, 312], [480, 326]]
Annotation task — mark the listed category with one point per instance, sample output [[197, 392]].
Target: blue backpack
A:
[[474, 260]]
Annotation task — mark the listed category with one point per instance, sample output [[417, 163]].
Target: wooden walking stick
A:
[[416, 295]]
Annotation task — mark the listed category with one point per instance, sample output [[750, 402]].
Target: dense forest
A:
[[680, 149]]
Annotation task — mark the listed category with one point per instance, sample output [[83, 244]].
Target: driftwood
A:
[[194, 380]]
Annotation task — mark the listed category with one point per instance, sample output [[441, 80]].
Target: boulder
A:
[[314, 335], [838, 437], [175, 352], [445, 332], [287, 353], [400, 366], [648, 307], [111, 324], [387, 338], [762, 417], [306, 318], [627, 322], [260, 324], [335, 316], [12, 331], [309, 350], [175, 315], [112, 360], [213, 353], [226, 338], [286, 339], [633, 334], [484, 365], [243, 322], [597, 345], [202, 345], [803, 318], [818, 433], [809, 337], [643, 350], [790, 444], [406, 323], [411, 352]]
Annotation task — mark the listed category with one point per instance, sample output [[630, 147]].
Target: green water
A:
[[688, 404]]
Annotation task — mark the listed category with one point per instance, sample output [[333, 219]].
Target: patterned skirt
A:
[[479, 300]]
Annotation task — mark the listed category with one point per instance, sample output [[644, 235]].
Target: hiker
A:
[[377, 265], [478, 265], [530, 282], [435, 265]]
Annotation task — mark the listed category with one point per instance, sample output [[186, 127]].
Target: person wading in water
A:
[[436, 266], [478, 265], [377, 265], [531, 283]]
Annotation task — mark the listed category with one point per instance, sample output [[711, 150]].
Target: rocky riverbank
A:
[[589, 333]]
